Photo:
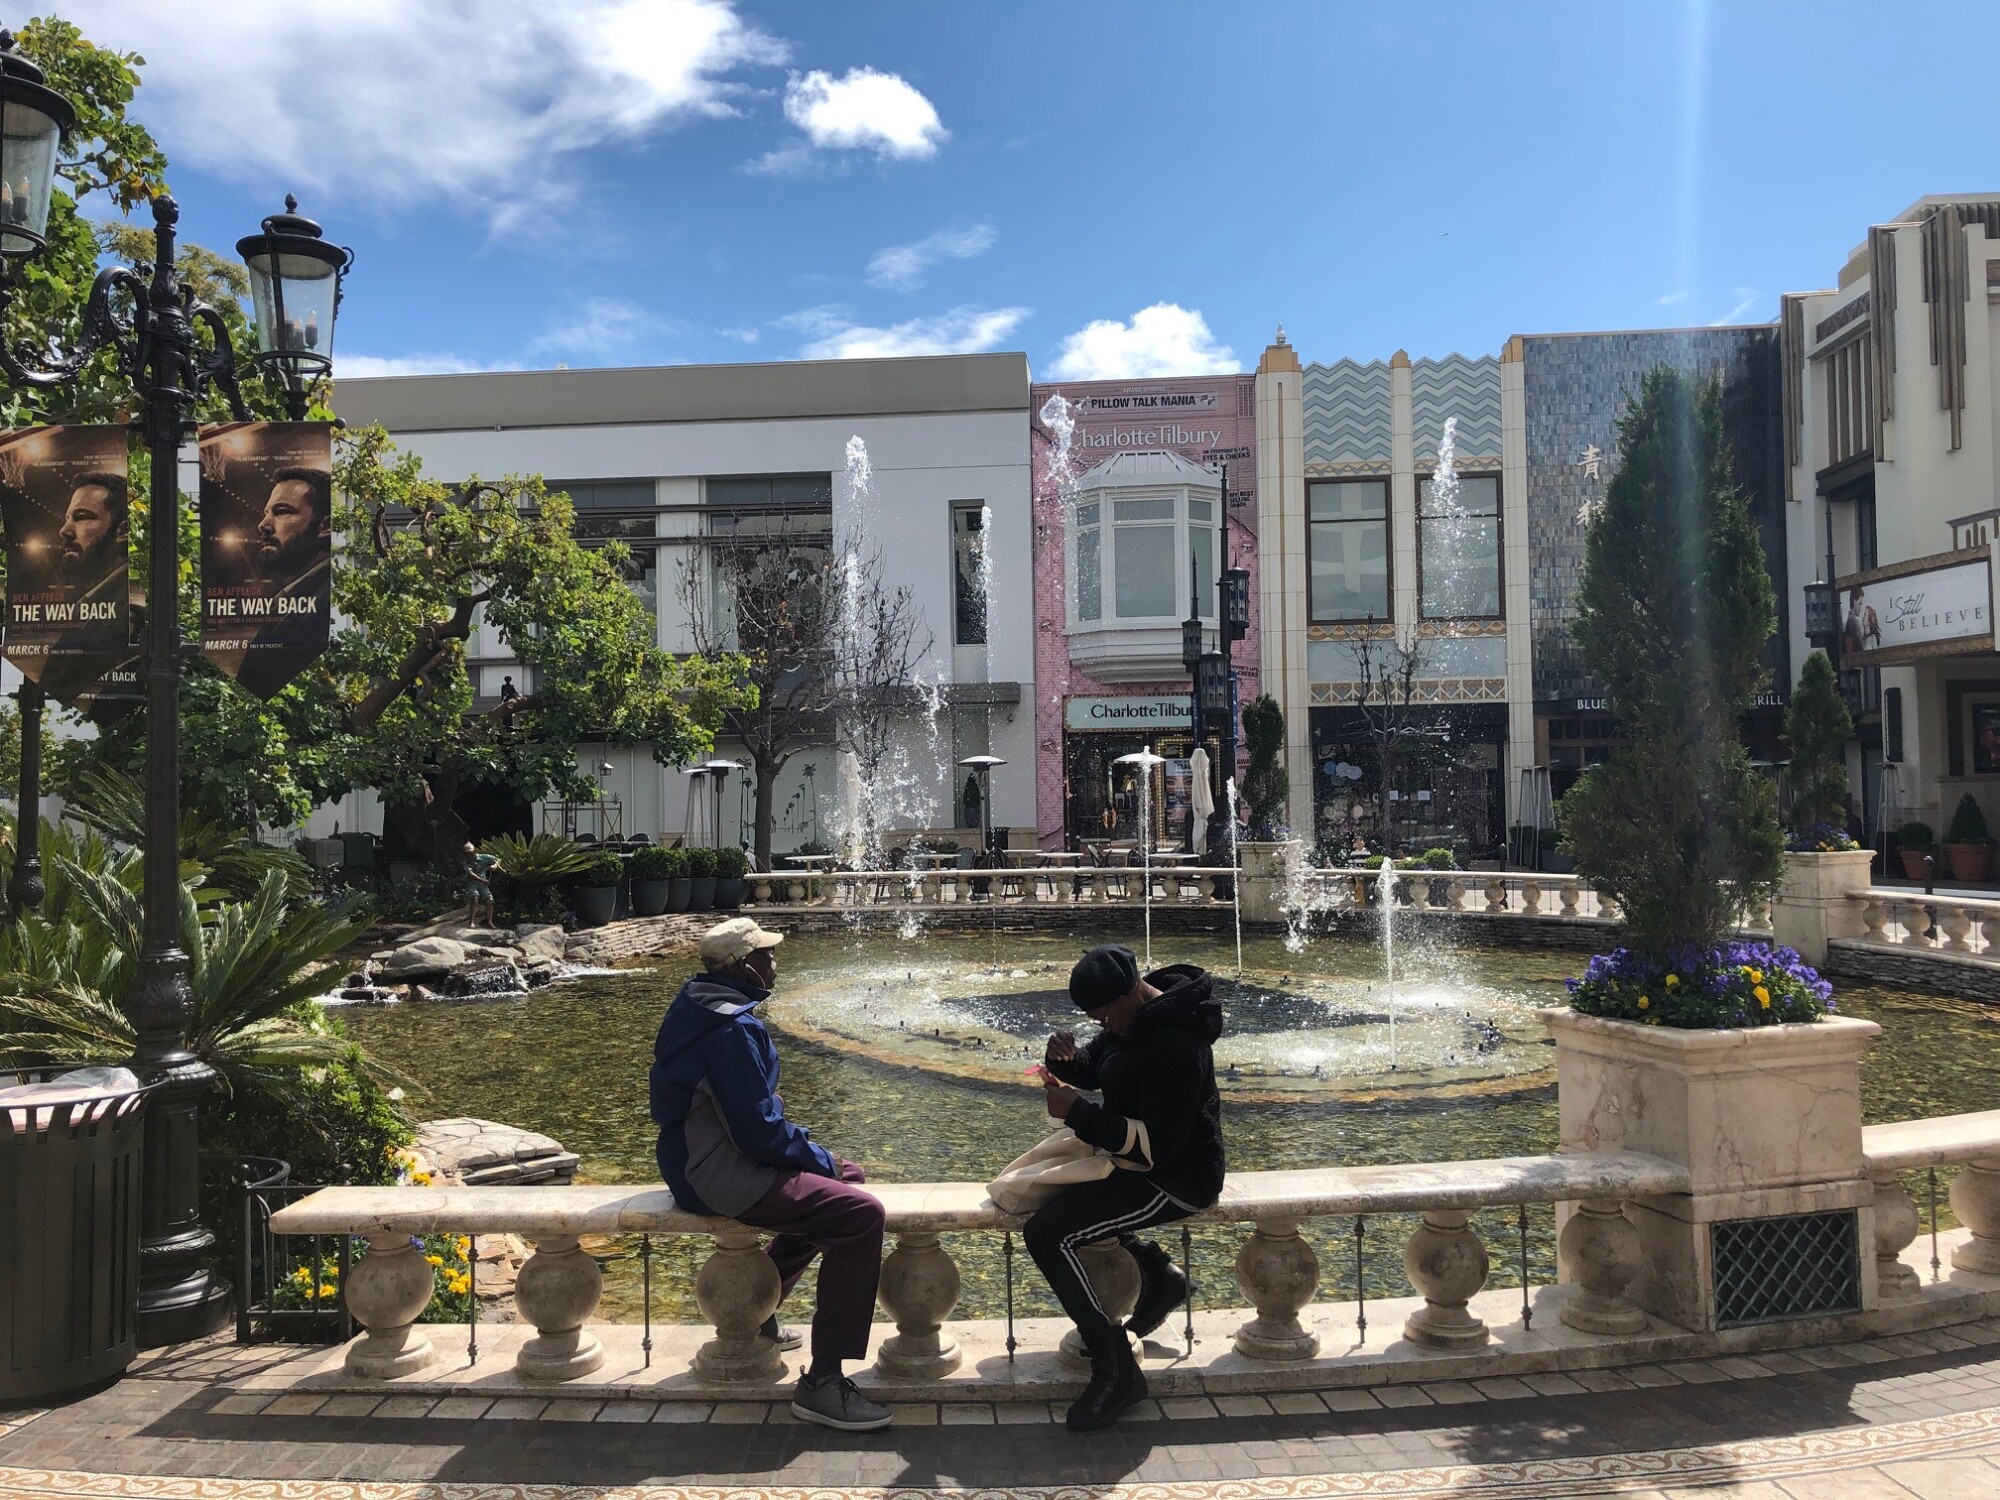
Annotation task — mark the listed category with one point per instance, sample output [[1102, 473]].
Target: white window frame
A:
[[1107, 528]]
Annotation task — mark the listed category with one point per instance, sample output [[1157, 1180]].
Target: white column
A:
[[1283, 577], [1514, 568]]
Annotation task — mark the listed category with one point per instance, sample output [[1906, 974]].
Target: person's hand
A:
[[1060, 1098], [1062, 1047]]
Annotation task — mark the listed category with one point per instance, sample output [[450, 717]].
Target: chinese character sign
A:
[[266, 549], [64, 498]]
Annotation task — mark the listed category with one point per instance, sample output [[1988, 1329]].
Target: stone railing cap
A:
[[1941, 1141]]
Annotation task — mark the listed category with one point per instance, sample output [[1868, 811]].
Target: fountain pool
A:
[[908, 1055]]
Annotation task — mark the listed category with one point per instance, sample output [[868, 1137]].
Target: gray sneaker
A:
[[833, 1401], [783, 1337]]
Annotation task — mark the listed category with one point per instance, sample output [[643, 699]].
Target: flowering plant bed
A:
[[1733, 985], [1820, 838]]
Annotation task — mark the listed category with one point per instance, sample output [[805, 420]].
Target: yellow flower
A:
[[1763, 996], [421, 1179], [436, 1260], [463, 1246], [1673, 981], [302, 1276], [1756, 976], [329, 1291], [1644, 1001]]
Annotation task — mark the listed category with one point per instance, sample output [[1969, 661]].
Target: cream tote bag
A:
[[1059, 1159]]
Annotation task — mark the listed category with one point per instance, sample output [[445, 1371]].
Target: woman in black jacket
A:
[[1162, 1118]]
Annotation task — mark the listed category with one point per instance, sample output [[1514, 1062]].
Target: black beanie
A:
[[1103, 975]]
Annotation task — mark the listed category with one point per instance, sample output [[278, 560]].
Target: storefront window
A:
[[1348, 544], [1459, 549]]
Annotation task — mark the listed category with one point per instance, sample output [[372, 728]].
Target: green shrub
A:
[[730, 864], [541, 860], [651, 862], [1264, 785], [1818, 726], [1968, 824], [810, 846], [1916, 837], [606, 867], [1439, 859], [701, 863]]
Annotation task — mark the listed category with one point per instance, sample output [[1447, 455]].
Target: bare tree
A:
[[830, 650], [1403, 731]]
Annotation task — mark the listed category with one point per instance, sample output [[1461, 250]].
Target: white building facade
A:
[[667, 459]]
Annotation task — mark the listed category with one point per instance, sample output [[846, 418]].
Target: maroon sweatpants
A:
[[840, 1223]]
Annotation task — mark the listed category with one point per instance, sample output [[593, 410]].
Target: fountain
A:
[[1235, 863], [1146, 761]]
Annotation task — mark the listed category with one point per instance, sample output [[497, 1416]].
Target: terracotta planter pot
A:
[[1913, 862], [1970, 861]]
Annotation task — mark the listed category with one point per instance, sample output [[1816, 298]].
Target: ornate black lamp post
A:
[[150, 321], [295, 284]]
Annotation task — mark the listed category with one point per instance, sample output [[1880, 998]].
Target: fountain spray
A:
[[1385, 886], [1236, 880], [1145, 760]]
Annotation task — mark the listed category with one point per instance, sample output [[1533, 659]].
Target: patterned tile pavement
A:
[[1914, 1415]]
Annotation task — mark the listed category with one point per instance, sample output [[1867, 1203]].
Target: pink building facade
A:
[[1105, 685]]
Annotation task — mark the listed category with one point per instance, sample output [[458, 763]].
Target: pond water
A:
[[909, 1055]]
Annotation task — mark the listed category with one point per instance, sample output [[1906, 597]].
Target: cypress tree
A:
[[1672, 615], [1818, 726]]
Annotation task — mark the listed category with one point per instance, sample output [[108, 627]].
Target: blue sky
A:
[[1117, 188]]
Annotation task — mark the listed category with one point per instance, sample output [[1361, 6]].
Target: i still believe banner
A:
[[74, 612]]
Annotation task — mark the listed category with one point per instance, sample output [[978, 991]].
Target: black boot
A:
[[1162, 1288], [1117, 1384]]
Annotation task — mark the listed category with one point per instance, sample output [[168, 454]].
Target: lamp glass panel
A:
[[28, 143], [309, 287]]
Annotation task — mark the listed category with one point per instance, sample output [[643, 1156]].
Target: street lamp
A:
[[1236, 603], [295, 282], [149, 320], [720, 770]]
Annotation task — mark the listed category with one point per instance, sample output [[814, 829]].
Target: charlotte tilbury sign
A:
[[1939, 606]]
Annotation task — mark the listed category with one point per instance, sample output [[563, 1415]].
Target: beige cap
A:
[[735, 940]]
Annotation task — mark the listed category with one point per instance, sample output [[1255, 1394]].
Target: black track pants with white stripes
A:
[[1084, 1214]]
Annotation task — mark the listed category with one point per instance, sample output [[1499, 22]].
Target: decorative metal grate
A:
[[1767, 1270]]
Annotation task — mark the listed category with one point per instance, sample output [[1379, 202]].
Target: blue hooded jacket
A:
[[724, 1137]]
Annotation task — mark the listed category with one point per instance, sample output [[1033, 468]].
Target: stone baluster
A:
[[1113, 1274], [1607, 906], [1454, 893], [1956, 926], [1447, 1264], [387, 1291], [760, 891], [1279, 1273], [1757, 916], [1531, 897], [1571, 891], [1496, 894], [1874, 919], [1419, 887], [1600, 1250], [737, 1290], [1975, 1198], [557, 1290], [919, 1290], [1896, 1224], [1978, 940]]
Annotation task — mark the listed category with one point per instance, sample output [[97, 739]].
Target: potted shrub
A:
[[701, 872], [1966, 843], [530, 869], [595, 895], [680, 889], [1915, 843], [651, 869], [730, 866]]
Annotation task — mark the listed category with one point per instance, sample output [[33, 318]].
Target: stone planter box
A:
[[1767, 1121], [1268, 871], [1816, 903]]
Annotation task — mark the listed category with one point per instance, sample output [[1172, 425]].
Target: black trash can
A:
[[70, 1195]]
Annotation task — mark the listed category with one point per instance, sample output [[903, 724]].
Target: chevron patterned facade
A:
[[1346, 412], [1455, 386]]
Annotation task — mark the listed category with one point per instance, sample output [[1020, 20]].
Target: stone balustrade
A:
[[1479, 892], [737, 1288], [1936, 924], [1013, 885], [1970, 1142]]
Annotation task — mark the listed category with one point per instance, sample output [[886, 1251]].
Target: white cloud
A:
[[742, 335], [833, 333], [862, 110], [901, 268], [600, 326], [373, 366], [392, 103], [1747, 298], [1674, 299], [1164, 339]]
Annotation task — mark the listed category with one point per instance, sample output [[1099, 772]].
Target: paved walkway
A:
[[1917, 1414]]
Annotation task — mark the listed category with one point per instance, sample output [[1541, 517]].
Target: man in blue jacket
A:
[[726, 1148]]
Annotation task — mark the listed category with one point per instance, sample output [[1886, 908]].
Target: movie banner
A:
[[266, 549], [65, 502]]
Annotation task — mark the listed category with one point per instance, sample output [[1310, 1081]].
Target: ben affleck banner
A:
[[266, 549], [64, 501]]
